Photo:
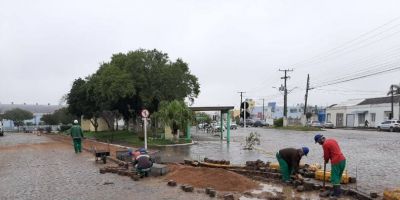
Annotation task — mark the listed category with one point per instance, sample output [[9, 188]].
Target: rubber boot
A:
[[336, 192]]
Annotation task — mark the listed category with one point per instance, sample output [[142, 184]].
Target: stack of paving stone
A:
[[220, 162]]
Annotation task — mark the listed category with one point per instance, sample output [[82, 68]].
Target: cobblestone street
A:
[[36, 167]]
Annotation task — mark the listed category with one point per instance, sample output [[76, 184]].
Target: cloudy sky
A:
[[230, 45]]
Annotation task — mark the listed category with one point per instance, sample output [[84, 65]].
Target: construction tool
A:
[[323, 182], [324, 193]]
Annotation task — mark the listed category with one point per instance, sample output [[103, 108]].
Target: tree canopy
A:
[[18, 116], [60, 116], [130, 82]]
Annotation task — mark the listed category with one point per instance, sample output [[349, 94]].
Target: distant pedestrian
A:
[[77, 135], [333, 153], [366, 124], [289, 161]]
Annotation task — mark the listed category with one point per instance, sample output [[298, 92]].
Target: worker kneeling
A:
[[289, 161], [143, 163]]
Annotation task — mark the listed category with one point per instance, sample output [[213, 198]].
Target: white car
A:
[[314, 124], [389, 125]]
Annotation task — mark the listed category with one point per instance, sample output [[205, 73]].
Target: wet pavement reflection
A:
[[373, 157]]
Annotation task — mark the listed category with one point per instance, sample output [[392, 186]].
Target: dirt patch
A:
[[219, 179]]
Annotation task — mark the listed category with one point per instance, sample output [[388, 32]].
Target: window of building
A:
[[373, 115], [328, 117], [293, 110], [387, 114], [361, 118]]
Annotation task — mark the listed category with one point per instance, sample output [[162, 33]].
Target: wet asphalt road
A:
[[373, 157], [33, 167]]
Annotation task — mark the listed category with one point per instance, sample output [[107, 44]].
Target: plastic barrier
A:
[[319, 175], [391, 194]]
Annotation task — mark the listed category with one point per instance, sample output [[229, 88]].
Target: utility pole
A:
[[241, 98], [392, 98], [285, 90], [306, 96], [263, 117]]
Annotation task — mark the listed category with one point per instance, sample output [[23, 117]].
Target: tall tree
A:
[[18, 116], [83, 101], [130, 82]]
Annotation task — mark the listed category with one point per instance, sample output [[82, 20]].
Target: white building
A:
[[353, 113], [37, 110]]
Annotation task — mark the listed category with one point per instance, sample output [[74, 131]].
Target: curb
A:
[[175, 145]]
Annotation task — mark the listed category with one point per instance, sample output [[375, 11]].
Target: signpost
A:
[[145, 114]]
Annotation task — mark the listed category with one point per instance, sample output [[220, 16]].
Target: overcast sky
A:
[[230, 45]]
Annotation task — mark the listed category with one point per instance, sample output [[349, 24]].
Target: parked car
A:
[[201, 125], [314, 124], [260, 123], [390, 125], [216, 127], [249, 122], [329, 125], [233, 125]]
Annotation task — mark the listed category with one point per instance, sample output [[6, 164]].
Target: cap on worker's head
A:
[[142, 150], [318, 137], [305, 150], [75, 121]]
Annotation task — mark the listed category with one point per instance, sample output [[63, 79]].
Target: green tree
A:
[[60, 116], [18, 116], [174, 114], [308, 115], [82, 101], [130, 82], [203, 117], [49, 119]]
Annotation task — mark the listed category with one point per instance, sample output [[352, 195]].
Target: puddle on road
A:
[[268, 188], [274, 190]]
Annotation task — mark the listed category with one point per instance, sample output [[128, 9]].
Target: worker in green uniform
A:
[[289, 161], [77, 135]]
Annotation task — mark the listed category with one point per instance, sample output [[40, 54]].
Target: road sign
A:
[[145, 113], [244, 105]]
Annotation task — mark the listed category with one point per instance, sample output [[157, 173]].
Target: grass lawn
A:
[[299, 128], [130, 138]]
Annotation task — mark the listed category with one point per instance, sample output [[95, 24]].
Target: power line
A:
[[333, 50], [372, 69], [359, 77], [368, 67]]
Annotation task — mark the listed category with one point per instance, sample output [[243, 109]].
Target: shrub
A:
[[48, 129], [64, 127], [278, 122]]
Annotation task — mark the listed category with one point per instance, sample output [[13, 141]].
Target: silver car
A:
[[390, 125], [329, 125]]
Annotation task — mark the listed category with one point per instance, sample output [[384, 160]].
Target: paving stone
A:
[[300, 188], [213, 193], [229, 197], [158, 170], [172, 183], [48, 169]]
